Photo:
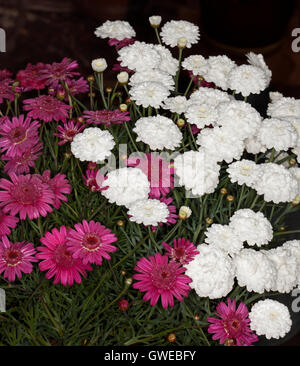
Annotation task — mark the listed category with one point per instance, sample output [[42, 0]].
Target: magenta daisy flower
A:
[[172, 218], [16, 258], [58, 260], [31, 77], [106, 117], [22, 164], [46, 108], [233, 325], [25, 195], [92, 179], [160, 278], [18, 135], [183, 251], [91, 242], [59, 71], [6, 91], [58, 184], [7, 222], [120, 44], [159, 172], [67, 132]]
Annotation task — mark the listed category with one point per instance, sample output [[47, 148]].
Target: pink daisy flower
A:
[[92, 179], [46, 108], [67, 132], [22, 164], [91, 242], [172, 218], [233, 325], [160, 278], [26, 195], [7, 222], [58, 260], [6, 91], [183, 251], [16, 258], [159, 172], [58, 184], [31, 78], [59, 71], [120, 44], [18, 135], [106, 117]]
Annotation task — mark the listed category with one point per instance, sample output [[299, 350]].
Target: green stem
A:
[[157, 35], [178, 71]]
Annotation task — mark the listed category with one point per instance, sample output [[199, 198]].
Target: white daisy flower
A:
[[176, 104], [173, 30], [158, 132], [153, 75], [168, 63], [247, 79], [224, 238], [201, 114], [254, 146], [211, 272], [195, 63], [294, 247], [117, 29], [93, 144], [252, 227], [218, 70], [209, 96], [149, 93], [270, 318], [243, 172], [254, 270], [284, 107], [258, 61], [148, 212], [125, 186]]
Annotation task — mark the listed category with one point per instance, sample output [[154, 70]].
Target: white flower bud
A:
[[99, 64], [123, 77], [181, 42], [155, 21], [184, 212]]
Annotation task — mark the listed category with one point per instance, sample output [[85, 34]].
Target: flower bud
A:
[[99, 64], [128, 281], [108, 90], [181, 42], [209, 220], [123, 77], [123, 304], [230, 198], [172, 337], [120, 223], [155, 21], [180, 122], [184, 212], [223, 191], [90, 78], [123, 107]]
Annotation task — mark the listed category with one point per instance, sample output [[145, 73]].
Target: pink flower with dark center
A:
[[18, 135], [233, 325], [7, 222], [159, 172], [25, 195], [31, 77], [16, 258], [46, 108], [183, 251], [5, 74], [6, 91], [91, 242], [22, 164], [92, 178], [106, 117], [67, 132], [59, 185], [120, 44], [59, 71], [160, 278], [57, 259]]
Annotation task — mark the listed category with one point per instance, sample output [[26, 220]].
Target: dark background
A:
[[48, 30]]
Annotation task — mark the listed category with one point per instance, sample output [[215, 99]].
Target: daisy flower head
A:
[[293, 246], [172, 217], [59, 72], [153, 75], [46, 108], [16, 258], [6, 90], [254, 270], [139, 56], [197, 172], [254, 146], [91, 242], [125, 186], [160, 278], [18, 134], [232, 324], [182, 251], [247, 79], [167, 63], [258, 61], [31, 77], [116, 29], [284, 107], [106, 117], [7, 222], [75, 87], [224, 238], [176, 104], [148, 212], [26, 195], [67, 132], [158, 132], [158, 170], [149, 94], [201, 115], [243, 172], [211, 272], [277, 134], [56, 257], [173, 30], [218, 69], [93, 179], [93, 144], [270, 318], [252, 227], [197, 64], [209, 96]]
